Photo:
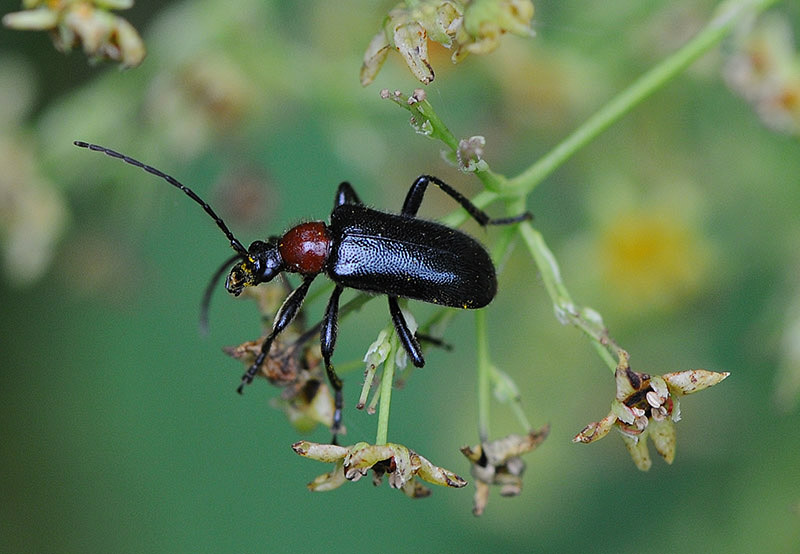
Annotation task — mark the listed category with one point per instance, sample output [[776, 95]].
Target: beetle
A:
[[397, 255]]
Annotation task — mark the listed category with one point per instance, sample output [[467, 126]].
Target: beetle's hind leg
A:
[[438, 342], [407, 338], [417, 191], [524, 216]]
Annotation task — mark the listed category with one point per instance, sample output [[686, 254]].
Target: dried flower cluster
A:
[[72, 23], [648, 406], [401, 465], [500, 463], [293, 365], [463, 27]]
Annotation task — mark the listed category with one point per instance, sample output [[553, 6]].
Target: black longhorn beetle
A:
[[376, 252]]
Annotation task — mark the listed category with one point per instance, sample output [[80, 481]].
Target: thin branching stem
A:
[[484, 374], [727, 16], [386, 391]]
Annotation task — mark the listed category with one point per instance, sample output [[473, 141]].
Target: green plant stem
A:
[[484, 374], [386, 393], [566, 311], [423, 112], [516, 407], [488, 374], [728, 14]]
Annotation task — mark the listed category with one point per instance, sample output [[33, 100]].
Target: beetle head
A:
[[262, 263]]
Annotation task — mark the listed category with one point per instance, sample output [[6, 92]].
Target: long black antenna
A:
[[206, 303], [235, 244]]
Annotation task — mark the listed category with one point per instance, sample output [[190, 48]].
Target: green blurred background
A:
[[121, 428]]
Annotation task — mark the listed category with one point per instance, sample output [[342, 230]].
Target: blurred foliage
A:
[[679, 224], [86, 23]]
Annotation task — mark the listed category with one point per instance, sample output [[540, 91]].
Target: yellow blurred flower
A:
[[648, 247], [652, 257]]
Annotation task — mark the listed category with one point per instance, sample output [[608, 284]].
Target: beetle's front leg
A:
[[286, 314]]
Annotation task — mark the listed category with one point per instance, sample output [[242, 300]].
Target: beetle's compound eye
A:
[[262, 264]]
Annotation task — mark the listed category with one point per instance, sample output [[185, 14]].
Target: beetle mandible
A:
[[398, 255]]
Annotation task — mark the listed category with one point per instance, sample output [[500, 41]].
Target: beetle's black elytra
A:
[[398, 255]]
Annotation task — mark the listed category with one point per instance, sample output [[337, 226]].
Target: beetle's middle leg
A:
[[327, 335]]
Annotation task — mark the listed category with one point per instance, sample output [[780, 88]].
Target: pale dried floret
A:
[[500, 463], [402, 465]]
